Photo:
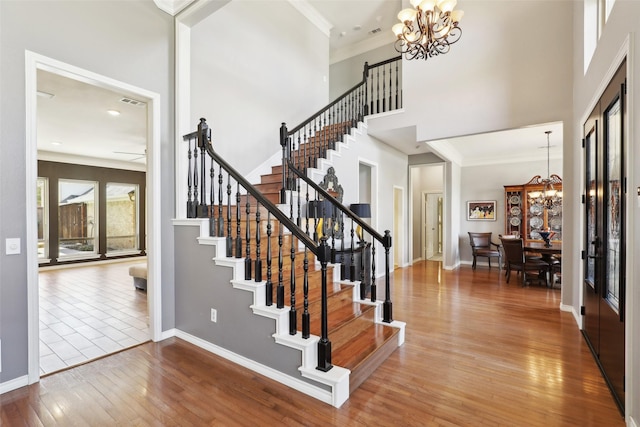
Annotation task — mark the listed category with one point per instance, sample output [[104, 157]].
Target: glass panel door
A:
[[77, 218], [122, 217], [613, 121]]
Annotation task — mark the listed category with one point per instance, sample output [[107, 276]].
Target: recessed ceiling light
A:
[[113, 112], [56, 143]]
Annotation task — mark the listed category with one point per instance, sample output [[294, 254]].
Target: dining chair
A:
[[482, 246], [516, 261]]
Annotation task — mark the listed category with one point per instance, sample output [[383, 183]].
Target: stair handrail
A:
[[365, 74], [346, 110], [204, 140], [321, 251], [384, 240]]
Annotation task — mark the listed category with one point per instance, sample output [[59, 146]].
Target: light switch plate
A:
[[12, 246]]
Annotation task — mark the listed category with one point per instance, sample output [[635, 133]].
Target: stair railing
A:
[[202, 158], [385, 240], [380, 90]]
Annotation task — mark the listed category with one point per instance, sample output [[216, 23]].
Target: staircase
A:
[[360, 342], [342, 337]]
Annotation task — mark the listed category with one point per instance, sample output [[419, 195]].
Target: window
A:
[[122, 217], [77, 218], [596, 14], [42, 195]]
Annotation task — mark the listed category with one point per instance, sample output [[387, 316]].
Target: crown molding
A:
[[312, 14], [172, 7]]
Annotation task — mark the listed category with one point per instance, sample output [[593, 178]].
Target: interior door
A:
[[604, 285]]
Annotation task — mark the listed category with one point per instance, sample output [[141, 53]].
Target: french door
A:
[[604, 252]]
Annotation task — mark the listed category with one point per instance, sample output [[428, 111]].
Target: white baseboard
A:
[[14, 384], [304, 387], [633, 423]]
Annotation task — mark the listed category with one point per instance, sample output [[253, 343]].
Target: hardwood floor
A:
[[477, 352]]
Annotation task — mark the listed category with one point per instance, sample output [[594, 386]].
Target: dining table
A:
[[541, 248]]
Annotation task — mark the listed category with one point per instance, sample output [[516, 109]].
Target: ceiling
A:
[[75, 120]]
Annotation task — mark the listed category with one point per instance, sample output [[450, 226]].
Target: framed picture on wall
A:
[[481, 210]]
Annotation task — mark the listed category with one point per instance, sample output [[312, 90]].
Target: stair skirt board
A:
[[336, 397]]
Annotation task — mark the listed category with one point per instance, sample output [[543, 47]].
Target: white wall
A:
[[508, 70], [275, 71], [389, 168]]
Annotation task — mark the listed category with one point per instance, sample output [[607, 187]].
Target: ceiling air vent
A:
[[375, 31], [132, 102]]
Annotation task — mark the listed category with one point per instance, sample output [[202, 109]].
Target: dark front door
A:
[[604, 260]]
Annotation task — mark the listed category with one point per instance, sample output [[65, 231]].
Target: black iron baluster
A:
[[352, 262], [280, 288], [377, 90], [196, 195], [307, 212], [299, 207], [374, 287], [269, 285], [247, 233], [238, 217], [190, 206], [220, 230], [384, 90], [324, 345], [293, 314], [390, 69], [229, 238], [397, 83], [387, 307], [212, 198], [363, 282], [258, 267], [285, 145], [306, 329]]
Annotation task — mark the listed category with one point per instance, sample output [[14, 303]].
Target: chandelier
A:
[[429, 29], [549, 196]]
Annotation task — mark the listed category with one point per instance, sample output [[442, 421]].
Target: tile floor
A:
[[88, 312]]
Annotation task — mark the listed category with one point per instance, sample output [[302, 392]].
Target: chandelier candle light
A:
[[429, 29], [549, 195]]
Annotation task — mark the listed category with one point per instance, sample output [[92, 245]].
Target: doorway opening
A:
[[432, 226], [35, 65]]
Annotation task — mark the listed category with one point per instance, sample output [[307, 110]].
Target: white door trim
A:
[[33, 62]]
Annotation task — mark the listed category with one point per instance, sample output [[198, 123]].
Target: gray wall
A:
[[345, 74], [201, 286], [130, 41]]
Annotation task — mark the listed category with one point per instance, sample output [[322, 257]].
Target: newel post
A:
[[387, 308], [365, 77], [203, 135], [324, 345]]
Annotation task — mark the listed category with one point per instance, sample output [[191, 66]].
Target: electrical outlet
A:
[[214, 315]]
